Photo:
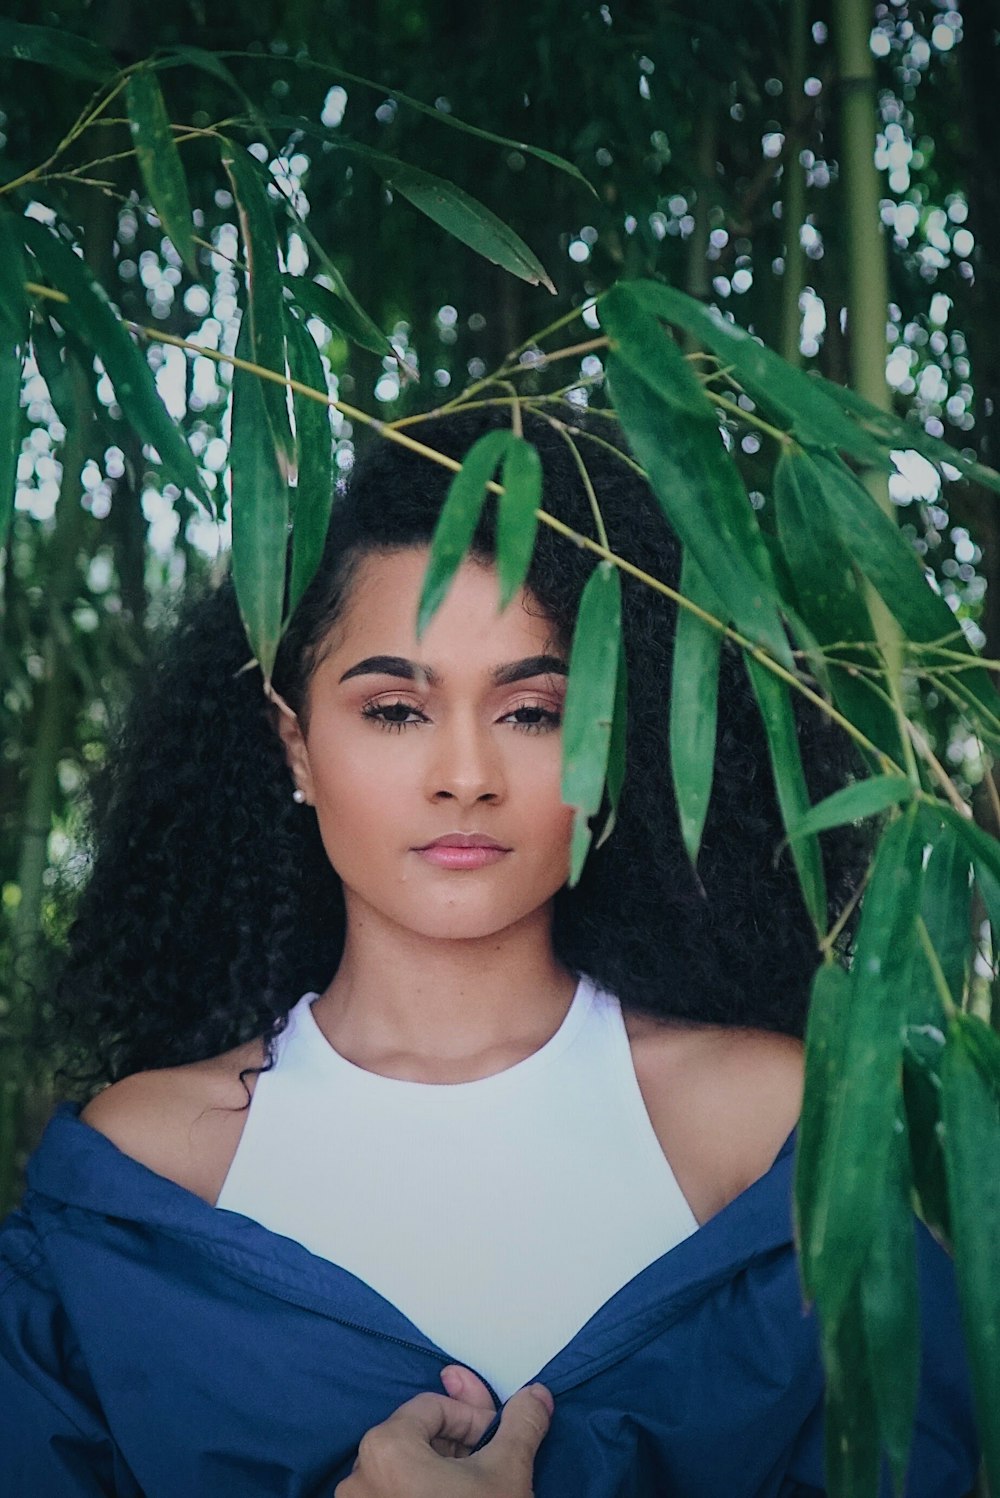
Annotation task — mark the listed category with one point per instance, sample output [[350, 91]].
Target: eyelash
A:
[[378, 712]]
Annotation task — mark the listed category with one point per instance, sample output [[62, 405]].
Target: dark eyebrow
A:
[[503, 676], [391, 665], [532, 665]]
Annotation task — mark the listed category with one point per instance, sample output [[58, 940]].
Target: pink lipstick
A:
[[463, 850]]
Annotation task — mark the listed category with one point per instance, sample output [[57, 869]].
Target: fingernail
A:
[[451, 1380], [543, 1396]]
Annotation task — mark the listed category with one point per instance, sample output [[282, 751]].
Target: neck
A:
[[399, 998]]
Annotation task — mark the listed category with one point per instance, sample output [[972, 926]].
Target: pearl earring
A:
[[299, 796]]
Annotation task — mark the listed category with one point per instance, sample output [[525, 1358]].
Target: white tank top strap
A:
[[499, 1214]]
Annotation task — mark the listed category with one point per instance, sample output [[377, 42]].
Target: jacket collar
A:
[[77, 1170]]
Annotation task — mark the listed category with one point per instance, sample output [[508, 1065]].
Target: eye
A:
[[394, 716], [532, 717]]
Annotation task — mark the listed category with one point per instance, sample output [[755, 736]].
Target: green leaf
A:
[[463, 217], [790, 784], [313, 494], [946, 908], [56, 48], [852, 1444], [517, 516], [456, 524], [454, 210], [854, 802], [972, 1148], [890, 1309], [260, 515], [89, 316], [209, 62], [794, 396], [675, 435], [825, 590], [617, 748], [922, 1096], [15, 309], [895, 433], [884, 555], [338, 313], [826, 1034], [889, 562], [855, 1159], [160, 163], [446, 118], [590, 704], [694, 700], [983, 848], [267, 324]]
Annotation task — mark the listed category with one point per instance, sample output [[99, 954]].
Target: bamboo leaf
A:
[[267, 325], [826, 1034], [825, 589], [946, 908], [855, 1158], [984, 849], [456, 524], [465, 219], [313, 495], [896, 433], [972, 1148], [617, 748], [590, 705], [517, 515], [449, 206], [790, 785], [694, 700], [883, 554], [853, 803], [56, 48], [886, 558], [89, 316], [852, 1444], [338, 313], [674, 433], [922, 1055], [452, 120], [800, 402], [890, 1310], [260, 508], [160, 162]]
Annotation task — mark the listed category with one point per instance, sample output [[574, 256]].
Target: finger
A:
[[435, 1417], [462, 1383], [524, 1424]]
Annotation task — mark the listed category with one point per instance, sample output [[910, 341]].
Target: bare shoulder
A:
[[183, 1122], [722, 1102]]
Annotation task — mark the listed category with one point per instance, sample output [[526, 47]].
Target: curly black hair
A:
[[211, 906]]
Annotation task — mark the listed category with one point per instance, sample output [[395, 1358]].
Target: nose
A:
[[466, 764]]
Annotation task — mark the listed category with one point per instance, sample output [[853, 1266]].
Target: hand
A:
[[408, 1455]]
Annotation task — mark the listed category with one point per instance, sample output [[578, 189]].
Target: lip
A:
[[463, 850]]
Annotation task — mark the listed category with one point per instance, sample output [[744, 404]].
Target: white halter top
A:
[[498, 1215]]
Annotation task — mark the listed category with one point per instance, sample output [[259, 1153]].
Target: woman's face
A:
[[455, 738]]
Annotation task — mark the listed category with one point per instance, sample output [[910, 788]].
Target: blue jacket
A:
[[152, 1344]]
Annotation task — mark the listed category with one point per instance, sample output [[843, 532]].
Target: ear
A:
[[289, 730]]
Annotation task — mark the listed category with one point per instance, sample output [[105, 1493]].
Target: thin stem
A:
[[750, 417], [829, 940], [355, 413], [558, 426], [937, 972], [923, 748]]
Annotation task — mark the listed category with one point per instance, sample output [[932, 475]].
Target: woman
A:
[[389, 1098]]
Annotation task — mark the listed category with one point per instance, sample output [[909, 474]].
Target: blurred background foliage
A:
[[705, 130]]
